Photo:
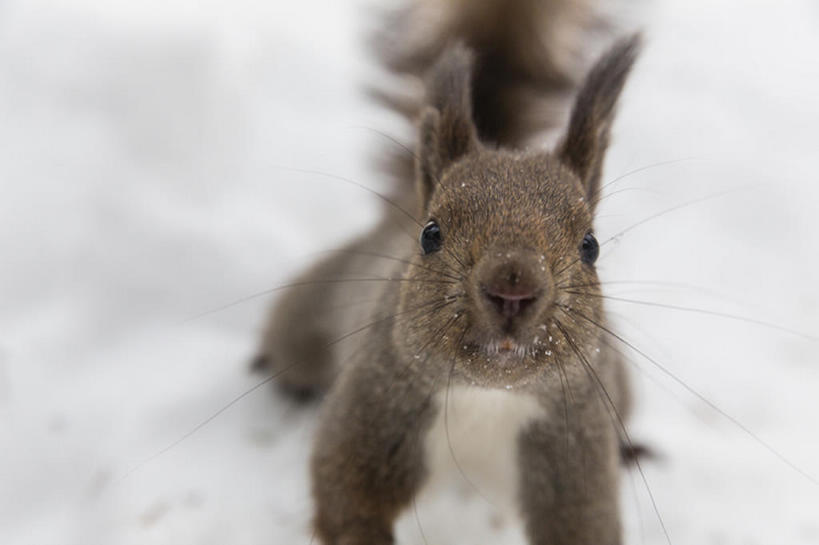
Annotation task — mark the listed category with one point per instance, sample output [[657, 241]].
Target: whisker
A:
[[707, 312], [399, 144], [388, 137], [399, 260], [637, 503], [699, 396], [452, 254], [370, 190], [619, 191], [658, 283], [391, 202], [438, 334], [686, 204], [427, 402], [262, 383], [418, 521], [659, 215], [619, 420], [710, 292], [307, 283], [425, 406], [352, 304], [449, 440], [564, 384], [648, 167]]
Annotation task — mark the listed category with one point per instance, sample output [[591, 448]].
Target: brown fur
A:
[[528, 53], [512, 223]]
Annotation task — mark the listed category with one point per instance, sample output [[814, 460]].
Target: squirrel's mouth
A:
[[507, 347]]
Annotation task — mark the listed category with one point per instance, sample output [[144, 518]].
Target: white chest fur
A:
[[474, 440]]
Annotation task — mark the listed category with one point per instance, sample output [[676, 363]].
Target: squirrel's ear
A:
[[447, 131], [583, 147]]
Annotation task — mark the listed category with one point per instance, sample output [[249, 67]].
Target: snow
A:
[[141, 155]]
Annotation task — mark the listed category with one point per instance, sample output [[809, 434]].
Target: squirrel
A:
[[475, 333]]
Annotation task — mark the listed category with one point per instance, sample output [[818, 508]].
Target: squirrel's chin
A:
[[507, 348]]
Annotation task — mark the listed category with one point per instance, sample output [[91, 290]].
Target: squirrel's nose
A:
[[510, 303], [511, 287]]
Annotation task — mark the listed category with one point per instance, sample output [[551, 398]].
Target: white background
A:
[[140, 146]]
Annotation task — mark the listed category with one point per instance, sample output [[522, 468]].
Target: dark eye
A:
[[431, 237], [589, 249]]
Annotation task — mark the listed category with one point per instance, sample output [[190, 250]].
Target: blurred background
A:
[[141, 185]]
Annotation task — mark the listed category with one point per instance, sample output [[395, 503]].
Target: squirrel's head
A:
[[507, 242]]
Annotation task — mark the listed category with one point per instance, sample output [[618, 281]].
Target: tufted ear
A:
[[583, 148], [447, 131]]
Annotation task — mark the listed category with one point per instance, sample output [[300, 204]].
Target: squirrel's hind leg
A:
[[297, 347]]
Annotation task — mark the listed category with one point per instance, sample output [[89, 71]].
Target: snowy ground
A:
[[140, 146]]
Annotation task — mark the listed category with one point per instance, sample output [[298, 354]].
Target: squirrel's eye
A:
[[431, 237], [589, 249]]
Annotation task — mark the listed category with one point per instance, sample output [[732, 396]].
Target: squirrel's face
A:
[[506, 247]]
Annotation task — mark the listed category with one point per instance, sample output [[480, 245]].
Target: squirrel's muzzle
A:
[[513, 287], [508, 303]]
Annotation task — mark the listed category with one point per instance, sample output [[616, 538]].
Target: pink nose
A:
[[513, 287], [509, 301]]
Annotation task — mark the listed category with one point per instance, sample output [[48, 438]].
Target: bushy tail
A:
[[528, 57]]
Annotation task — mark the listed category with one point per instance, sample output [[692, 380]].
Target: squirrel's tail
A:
[[528, 57]]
